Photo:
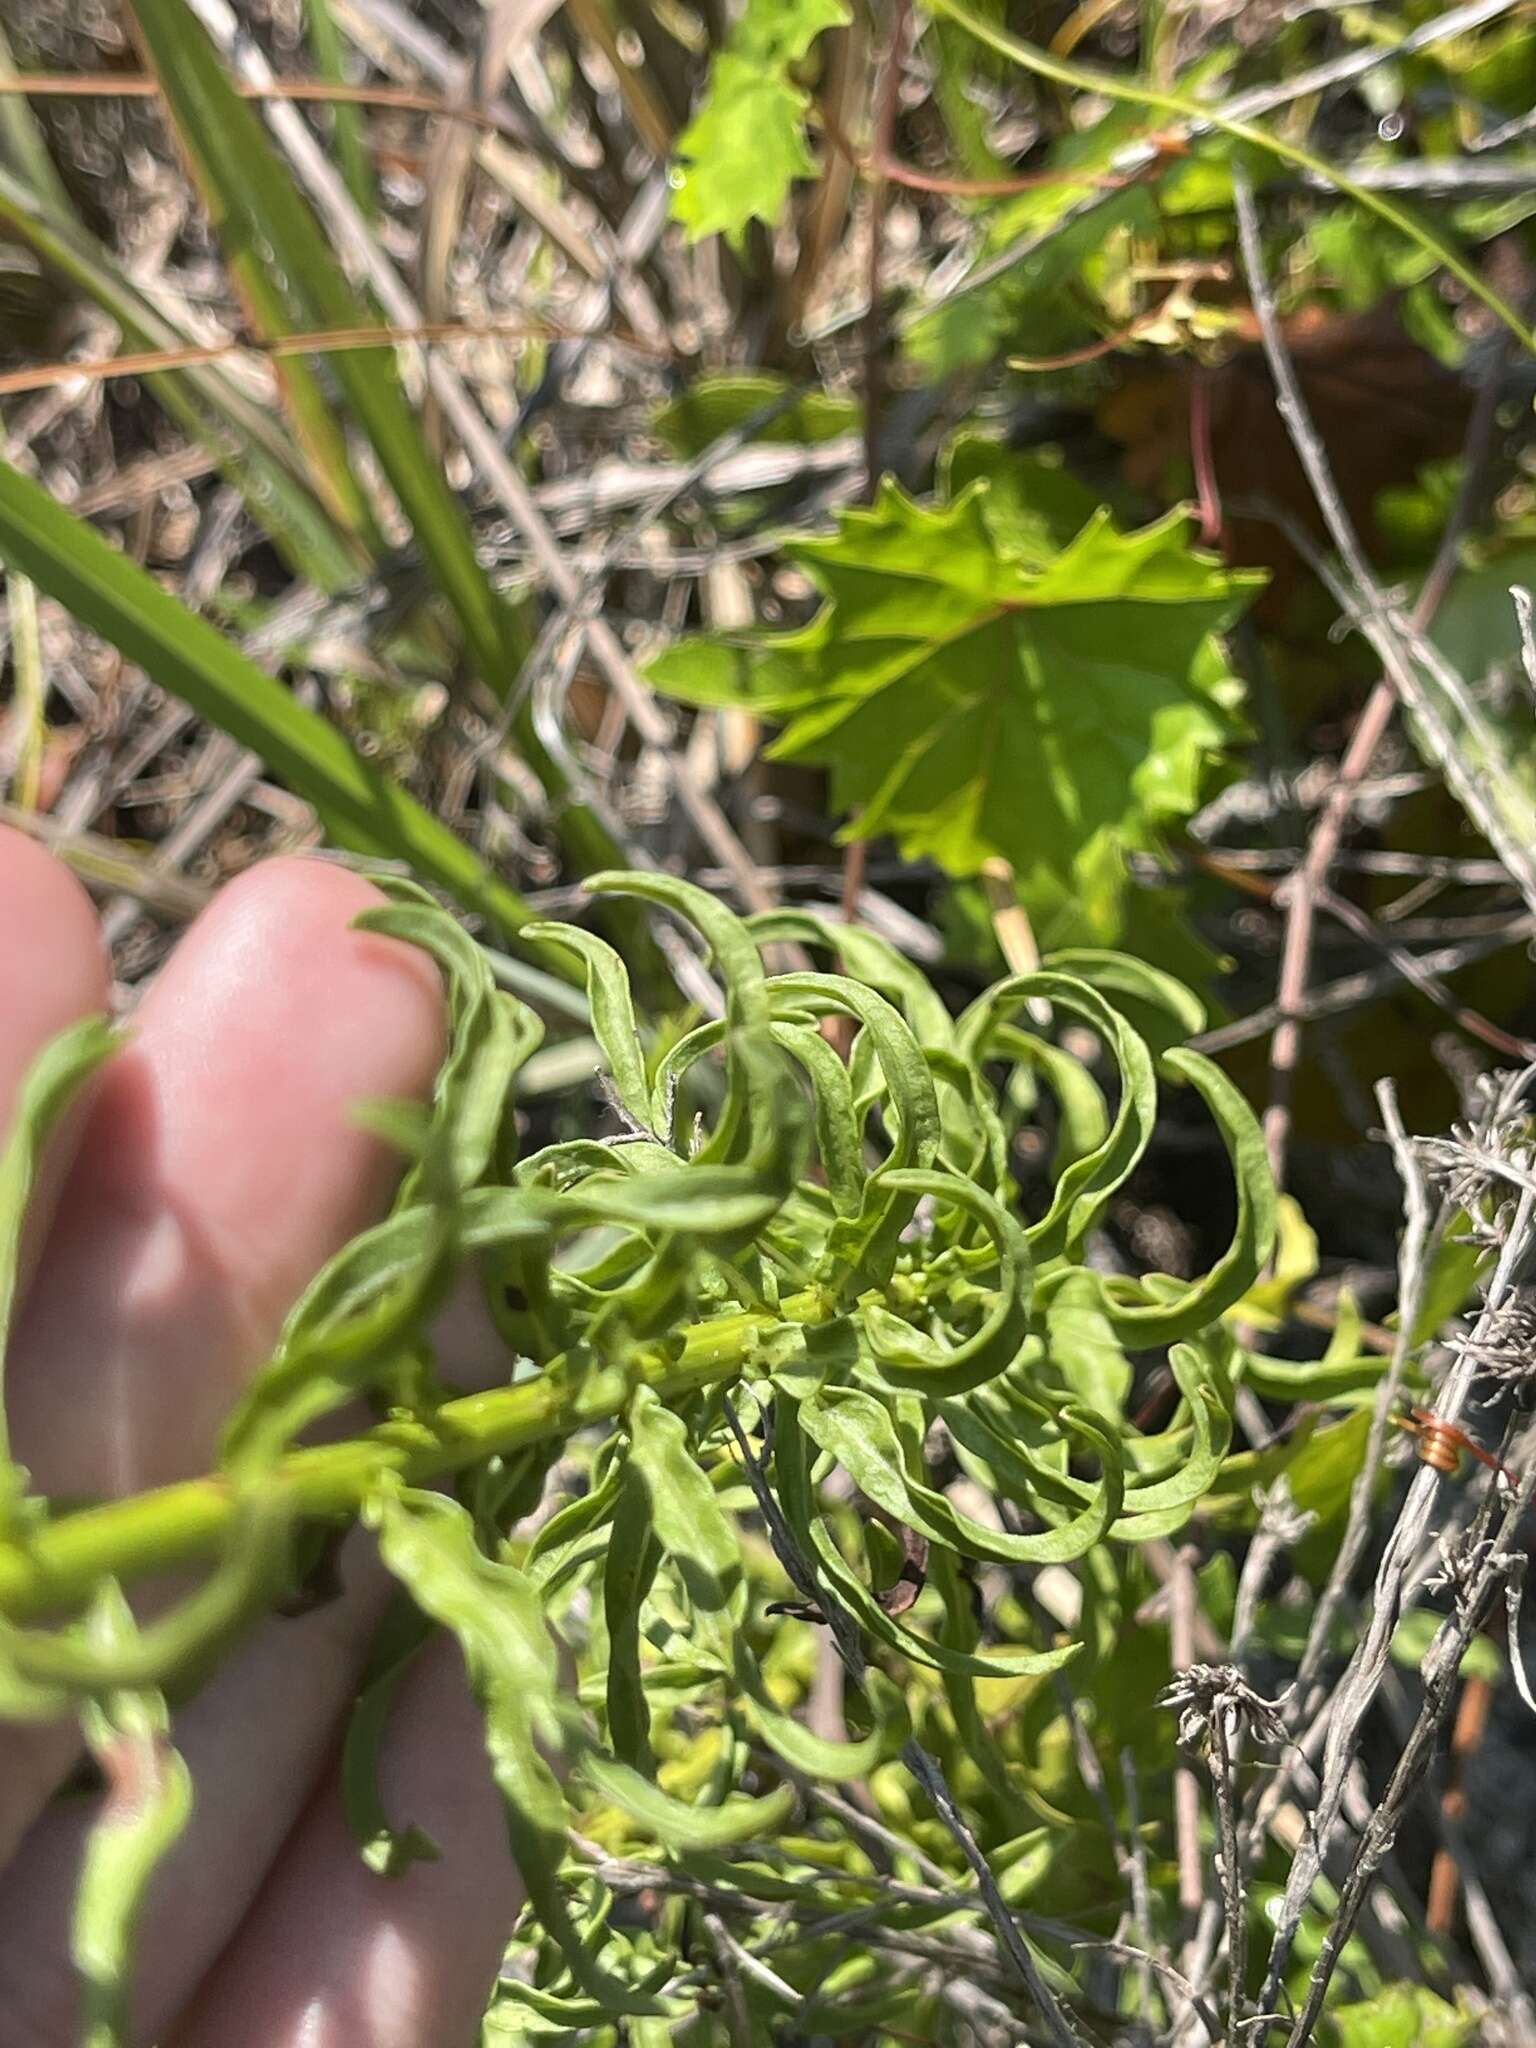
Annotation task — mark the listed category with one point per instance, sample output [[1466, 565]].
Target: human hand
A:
[[212, 1169]]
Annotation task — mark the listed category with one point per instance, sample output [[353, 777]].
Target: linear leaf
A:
[[53, 1078], [360, 806], [147, 1806], [257, 204]]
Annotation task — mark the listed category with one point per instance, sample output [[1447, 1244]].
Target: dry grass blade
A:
[[78, 85], [313, 342]]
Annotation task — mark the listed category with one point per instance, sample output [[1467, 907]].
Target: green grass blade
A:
[[271, 315], [260, 206], [346, 122], [360, 807], [22, 142], [256, 205]]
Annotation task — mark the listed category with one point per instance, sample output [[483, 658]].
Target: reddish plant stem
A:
[[1301, 918], [123, 85], [1472, 1711], [1203, 459], [874, 319], [839, 1031], [883, 163]]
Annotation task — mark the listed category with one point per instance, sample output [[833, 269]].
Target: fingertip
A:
[[298, 908], [221, 1165], [272, 1020]]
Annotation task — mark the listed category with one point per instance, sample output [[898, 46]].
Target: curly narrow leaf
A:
[[629, 1568], [858, 1431], [991, 1432], [1157, 1506], [581, 1524], [860, 1250], [821, 1756], [428, 1543], [690, 1524], [838, 1143], [613, 1013], [492, 1034], [1178, 1010], [750, 1107], [696, 1201], [323, 1361], [868, 959], [1085, 1185], [675, 1822], [1143, 1326], [905, 1358], [147, 1805], [797, 1497], [727, 935], [54, 1077], [1083, 1116]]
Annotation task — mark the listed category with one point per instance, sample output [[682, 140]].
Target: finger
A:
[[333, 1956], [53, 972], [255, 1740], [219, 1167]]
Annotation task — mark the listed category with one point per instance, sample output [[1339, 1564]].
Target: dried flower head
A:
[[1489, 1157], [1502, 1345], [1206, 1693]]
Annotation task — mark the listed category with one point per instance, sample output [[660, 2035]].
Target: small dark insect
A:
[[895, 1598], [1441, 1444]]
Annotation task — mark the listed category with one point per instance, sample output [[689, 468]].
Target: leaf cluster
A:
[[786, 1285]]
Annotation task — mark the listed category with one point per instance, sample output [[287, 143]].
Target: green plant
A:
[[782, 1269], [799, 1406], [999, 675]]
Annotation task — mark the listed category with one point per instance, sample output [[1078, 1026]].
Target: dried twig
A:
[[1140, 1888], [1479, 1567], [1525, 618], [1399, 645], [1420, 1230], [1305, 886], [1350, 991], [1281, 1527], [1186, 1788], [357, 242], [1397, 1578]]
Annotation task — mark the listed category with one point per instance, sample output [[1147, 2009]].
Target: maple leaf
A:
[[979, 688], [743, 149]]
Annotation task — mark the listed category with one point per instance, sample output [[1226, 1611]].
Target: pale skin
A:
[[211, 1171]]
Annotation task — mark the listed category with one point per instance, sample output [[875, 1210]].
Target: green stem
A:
[[1197, 113], [57, 1566]]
